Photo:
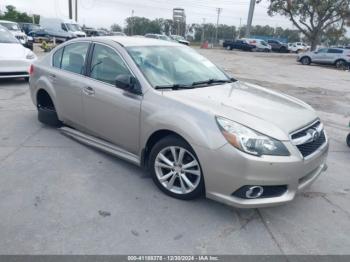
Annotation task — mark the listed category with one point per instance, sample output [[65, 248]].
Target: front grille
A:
[[309, 148], [20, 37], [303, 132]]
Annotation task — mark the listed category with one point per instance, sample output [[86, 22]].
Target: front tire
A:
[[348, 140], [175, 169], [305, 60]]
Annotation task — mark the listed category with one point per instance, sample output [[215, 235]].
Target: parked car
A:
[[298, 47], [17, 32], [180, 39], [59, 25], [167, 108], [227, 43], [28, 27], [278, 46], [260, 45], [15, 59], [241, 44], [331, 56], [158, 36], [95, 32], [49, 35], [118, 33]]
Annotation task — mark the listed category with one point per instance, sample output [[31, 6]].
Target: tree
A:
[[141, 25], [312, 17], [116, 28], [13, 15]]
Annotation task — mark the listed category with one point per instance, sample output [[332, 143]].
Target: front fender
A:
[[196, 127]]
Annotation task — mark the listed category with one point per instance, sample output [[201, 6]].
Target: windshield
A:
[[11, 26], [73, 27], [173, 65], [6, 37]]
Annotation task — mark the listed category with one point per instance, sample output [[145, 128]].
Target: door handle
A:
[[89, 90]]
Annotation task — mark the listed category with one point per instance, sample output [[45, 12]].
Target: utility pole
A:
[[203, 30], [70, 9], [132, 22], [240, 27], [217, 24], [250, 18], [76, 11]]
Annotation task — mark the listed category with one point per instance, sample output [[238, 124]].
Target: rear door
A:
[[110, 112], [68, 80], [333, 55]]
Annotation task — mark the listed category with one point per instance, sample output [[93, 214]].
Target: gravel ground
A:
[[61, 197]]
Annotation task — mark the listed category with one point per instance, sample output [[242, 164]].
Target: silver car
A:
[[331, 56], [165, 107]]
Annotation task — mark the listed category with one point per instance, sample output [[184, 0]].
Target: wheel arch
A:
[[339, 59], [152, 141]]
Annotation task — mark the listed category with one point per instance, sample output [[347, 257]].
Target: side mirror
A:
[[128, 83]]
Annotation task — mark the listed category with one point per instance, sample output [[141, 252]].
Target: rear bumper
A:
[[226, 170], [15, 68]]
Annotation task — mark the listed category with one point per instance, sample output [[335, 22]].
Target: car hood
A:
[[12, 51], [263, 110]]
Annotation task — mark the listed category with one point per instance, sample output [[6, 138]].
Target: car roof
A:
[[134, 41]]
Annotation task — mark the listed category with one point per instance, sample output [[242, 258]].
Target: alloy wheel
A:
[[177, 170]]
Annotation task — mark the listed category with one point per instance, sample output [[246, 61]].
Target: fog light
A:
[[254, 192]]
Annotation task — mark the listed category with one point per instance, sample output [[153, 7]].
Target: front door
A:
[[111, 113], [320, 56]]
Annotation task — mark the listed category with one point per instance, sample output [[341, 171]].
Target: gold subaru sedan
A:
[[198, 131]]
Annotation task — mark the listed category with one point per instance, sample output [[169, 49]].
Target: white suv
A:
[[331, 56], [15, 30], [298, 47]]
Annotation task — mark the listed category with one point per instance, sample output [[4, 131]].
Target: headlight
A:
[[30, 55], [250, 141]]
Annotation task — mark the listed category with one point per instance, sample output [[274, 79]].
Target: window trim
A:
[[88, 67], [85, 62]]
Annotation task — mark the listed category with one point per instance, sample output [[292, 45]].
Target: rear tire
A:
[[177, 174], [342, 65], [46, 110], [348, 140], [48, 117]]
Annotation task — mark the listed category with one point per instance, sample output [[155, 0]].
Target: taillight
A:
[[31, 70]]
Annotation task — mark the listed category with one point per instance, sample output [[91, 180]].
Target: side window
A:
[[106, 65], [335, 51], [57, 58], [63, 27], [74, 56], [322, 50]]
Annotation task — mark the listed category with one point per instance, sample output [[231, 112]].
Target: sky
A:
[[103, 13]]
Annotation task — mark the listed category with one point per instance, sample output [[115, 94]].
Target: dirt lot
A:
[[61, 197]]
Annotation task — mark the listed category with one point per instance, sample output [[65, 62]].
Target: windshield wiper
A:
[[213, 81], [195, 84], [174, 87]]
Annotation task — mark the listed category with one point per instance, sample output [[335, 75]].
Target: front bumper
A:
[[227, 169]]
